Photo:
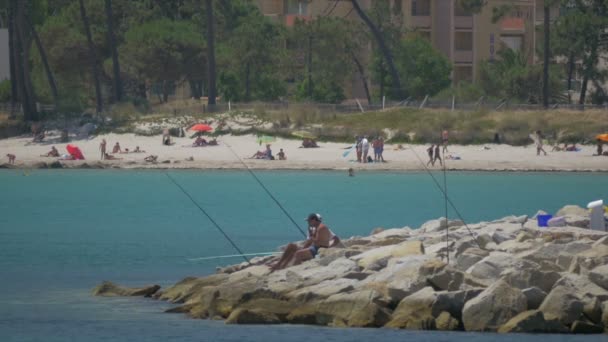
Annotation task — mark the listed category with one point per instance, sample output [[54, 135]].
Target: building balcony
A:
[[462, 22], [463, 56], [421, 21], [290, 19]]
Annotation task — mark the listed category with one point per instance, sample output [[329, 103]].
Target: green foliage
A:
[[423, 70], [162, 50], [511, 77], [5, 91], [463, 91], [323, 91]]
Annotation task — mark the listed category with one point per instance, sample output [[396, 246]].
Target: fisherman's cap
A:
[[314, 216]]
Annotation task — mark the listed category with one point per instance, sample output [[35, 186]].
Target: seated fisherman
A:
[[319, 235]]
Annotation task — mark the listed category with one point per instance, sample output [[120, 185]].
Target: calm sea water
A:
[[63, 232]]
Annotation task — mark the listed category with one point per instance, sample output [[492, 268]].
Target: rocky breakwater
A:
[[507, 275]]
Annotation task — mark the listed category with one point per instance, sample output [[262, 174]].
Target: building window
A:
[[463, 73], [463, 41], [421, 8], [295, 7], [460, 10], [512, 42]]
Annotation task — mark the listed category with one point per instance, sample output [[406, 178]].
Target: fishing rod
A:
[[447, 198], [266, 189], [209, 217]]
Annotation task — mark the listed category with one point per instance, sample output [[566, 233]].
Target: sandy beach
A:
[[487, 157]]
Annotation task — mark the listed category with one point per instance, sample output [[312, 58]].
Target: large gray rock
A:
[[191, 287], [605, 314], [550, 252], [447, 279], [532, 321], [402, 276], [562, 304], [582, 287], [109, 289], [470, 257], [323, 290], [534, 296], [599, 276], [415, 311], [525, 278], [585, 327], [493, 307], [372, 256], [494, 264], [572, 210], [357, 309]]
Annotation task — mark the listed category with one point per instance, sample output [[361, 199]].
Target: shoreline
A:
[[329, 156]]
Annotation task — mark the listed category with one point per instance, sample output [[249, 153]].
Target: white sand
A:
[[328, 156]]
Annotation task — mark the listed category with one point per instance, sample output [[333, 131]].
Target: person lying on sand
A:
[[137, 150], [309, 143], [151, 158], [111, 157], [52, 153]]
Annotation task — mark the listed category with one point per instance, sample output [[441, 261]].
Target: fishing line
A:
[[209, 217], [265, 189], [232, 256], [446, 197]]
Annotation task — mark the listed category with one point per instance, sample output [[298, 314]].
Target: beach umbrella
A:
[[303, 134], [602, 137], [201, 128], [265, 139], [74, 151]]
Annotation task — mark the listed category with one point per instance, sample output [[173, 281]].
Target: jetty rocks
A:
[[507, 275]]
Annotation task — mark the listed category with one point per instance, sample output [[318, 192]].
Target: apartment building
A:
[[464, 38]]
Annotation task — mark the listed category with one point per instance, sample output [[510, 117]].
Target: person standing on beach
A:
[[11, 158], [102, 148], [376, 147], [444, 140], [539, 143], [358, 148], [381, 149], [365, 147], [437, 156], [430, 153]]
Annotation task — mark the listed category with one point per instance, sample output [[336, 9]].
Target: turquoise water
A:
[[63, 232]]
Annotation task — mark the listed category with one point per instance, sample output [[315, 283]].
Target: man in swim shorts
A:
[[319, 236]]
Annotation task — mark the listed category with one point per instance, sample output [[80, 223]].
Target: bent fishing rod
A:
[[447, 198], [266, 189], [212, 221]]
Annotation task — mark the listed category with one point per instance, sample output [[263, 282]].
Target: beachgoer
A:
[[52, 153], [319, 236], [151, 158], [11, 158], [116, 148], [102, 148], [213, 142], [137, 150], [376, 147], [309, 143], [365, 148], [437, 155], [281, 155], [381, 149], [358, 148], [269, 152], [429, 151], [259, 155], [572, 148], [600, 147], [351, 172], [539, 143], [444, 140], [110, 157]]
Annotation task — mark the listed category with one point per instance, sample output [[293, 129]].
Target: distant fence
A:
[[356, 107]]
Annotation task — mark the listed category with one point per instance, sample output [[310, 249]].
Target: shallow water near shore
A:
[[63, 232]]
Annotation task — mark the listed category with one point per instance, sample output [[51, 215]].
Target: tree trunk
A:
[[165, 91], [309, 65], [211, 53], [362, 76], [386, 52], [570, 73], [92, 57], [12, 61], [546, 57], [382, 74], [247, 82], [45, 63], [589, 64], [195, 89], [29, 98], [118, 89]]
